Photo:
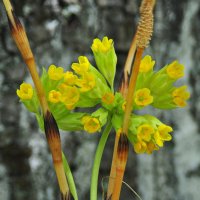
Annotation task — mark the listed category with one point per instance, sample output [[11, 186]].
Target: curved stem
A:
[[97, 160], [70, 178]]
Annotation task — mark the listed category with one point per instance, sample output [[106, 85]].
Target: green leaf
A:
[[71, 122]]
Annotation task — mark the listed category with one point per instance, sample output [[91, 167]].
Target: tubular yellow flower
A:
[[55, 73], [54, 96], [151, 147], [70, 96], [102, 46], [70, 78], [158, 139], [180, 95], [83, 65], [146, 64], [91, 124], [179, 102], [87, 82], [108, 98], [144, 132], [25, 92], [143, 97], [175, 70], [140, 147], [164, 131]]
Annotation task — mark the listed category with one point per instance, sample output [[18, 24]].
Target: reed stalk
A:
[[127, 88], [51, 128]]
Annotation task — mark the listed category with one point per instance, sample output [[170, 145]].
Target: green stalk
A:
[[97, 160], [70, 178]]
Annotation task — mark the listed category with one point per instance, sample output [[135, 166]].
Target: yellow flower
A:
[[25, 92], [180, 95], [102, 46], [158, 139], [81, 67], [144, 132], [54, 96], [151, 147], [87, 82], [164, 131], [91, 124], [70, 96], [55, 73], [70, 78], [108, 98], [175, 70], [140, 147], [146, 64], [143, 97]]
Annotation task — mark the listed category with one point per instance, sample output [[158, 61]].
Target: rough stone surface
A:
[[60, 31]]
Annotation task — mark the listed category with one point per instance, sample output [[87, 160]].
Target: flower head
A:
[[146, 64], [91, 124], [158, 139], [175, 70], [164, 131], [102, 46], [151, 147], [25, 92], [70, 96], [143, 97], [83, 65], [54, 96], [70, 78], [180, 95], [140, 146], [87, 82], [144, 132], [55, 73]]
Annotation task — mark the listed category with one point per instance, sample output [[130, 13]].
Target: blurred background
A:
[[61, 30]]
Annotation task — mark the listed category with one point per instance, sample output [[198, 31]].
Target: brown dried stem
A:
[[139, 43], [51, 129]]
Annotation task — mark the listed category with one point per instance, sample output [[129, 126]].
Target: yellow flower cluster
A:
[[146, 64], [82, 67], [91, 124], [72, 85], [70, 78], [102, 46], [70, 96], [180, 95], [25, 92], [54, 96], [175, 70], [150, 139], [55, 73], [143, 97], [86, 81]]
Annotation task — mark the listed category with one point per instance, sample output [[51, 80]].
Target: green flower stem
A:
[[70, 178], [97, 160]]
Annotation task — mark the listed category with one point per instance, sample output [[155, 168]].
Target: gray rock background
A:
[[60, 31]]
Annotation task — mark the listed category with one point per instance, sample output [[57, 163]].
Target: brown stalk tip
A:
[[123, 146], [145, 26], [13, 20], [50, 127]]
